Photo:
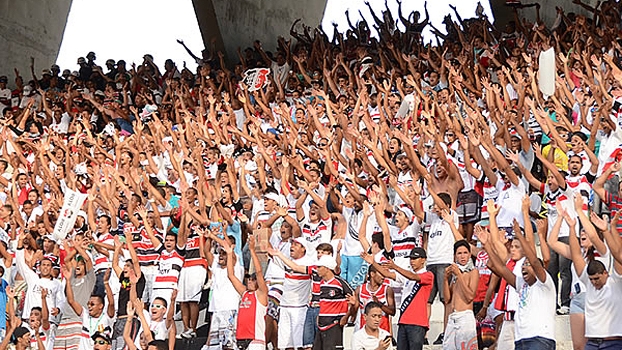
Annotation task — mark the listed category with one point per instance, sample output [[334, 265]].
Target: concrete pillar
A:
[[239, 23], [30, 28]]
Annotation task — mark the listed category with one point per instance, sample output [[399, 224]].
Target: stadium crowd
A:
[[352, 184]]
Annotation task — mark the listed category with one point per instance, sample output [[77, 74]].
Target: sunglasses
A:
[[101, 342], [157, 306]]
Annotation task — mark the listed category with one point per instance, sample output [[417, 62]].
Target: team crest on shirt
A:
[[331, 293]]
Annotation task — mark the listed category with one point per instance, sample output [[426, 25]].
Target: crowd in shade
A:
[[331, 183]]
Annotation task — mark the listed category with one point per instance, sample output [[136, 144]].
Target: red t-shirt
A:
[[415, 295]]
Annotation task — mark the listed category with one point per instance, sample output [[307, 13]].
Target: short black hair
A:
[[159, 344], [100, 297], [162, 300], [446, 198], [595, 267], [462, 243], [372, 305]]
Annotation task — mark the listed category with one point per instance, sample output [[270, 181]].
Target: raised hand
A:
[[493, 208], [598, 222]]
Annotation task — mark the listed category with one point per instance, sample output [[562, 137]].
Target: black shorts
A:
[[331, 338], [469, 207], [438, 270]]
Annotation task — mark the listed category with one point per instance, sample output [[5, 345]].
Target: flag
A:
[[67, 217]]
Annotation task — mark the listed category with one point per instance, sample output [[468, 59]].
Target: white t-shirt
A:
[[100, 324], [535, 316], [440, 239], [603, 309], [224, 295], [510, 200], [352, 246], [361, 340]]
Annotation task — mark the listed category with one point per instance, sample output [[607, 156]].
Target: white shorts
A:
[[291, 326], [461, 331], [506, 336], [190, 285], [222, 329], [150, 273]]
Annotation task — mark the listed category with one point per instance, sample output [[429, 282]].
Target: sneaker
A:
[[177, 316], [205, 347], [564, 310], [193, 334], [439, 340], [187, 334]]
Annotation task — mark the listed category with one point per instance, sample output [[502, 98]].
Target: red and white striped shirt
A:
[[169, 267], [333, 302], [102, 261]]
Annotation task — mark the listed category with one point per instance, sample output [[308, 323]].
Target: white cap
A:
[[272, 195], [327, 261], [301, 241]]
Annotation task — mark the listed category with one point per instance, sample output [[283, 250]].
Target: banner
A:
[[256, 78], [67, 217], [547, 72]]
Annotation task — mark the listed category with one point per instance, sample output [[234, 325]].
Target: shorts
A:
[[190, 285], [331, 338], [222, 329], [438, 270], [291, 326], [248, 344], [461, 331], [492, 312], [469, 206], [274, 301], [150, 273], [505, 340], [577, 303], [310, 330]]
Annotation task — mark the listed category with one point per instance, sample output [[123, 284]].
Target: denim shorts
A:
[[310, 328], [577, 303]]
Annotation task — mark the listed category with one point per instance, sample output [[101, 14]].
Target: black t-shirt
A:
[[124, 292]]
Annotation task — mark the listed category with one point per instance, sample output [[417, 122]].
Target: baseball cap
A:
[[3, 79], [301, 241], [50, 237], [327, 261], [46, 71], [271, 195], [102, 335], [409, 213], [417, 253]]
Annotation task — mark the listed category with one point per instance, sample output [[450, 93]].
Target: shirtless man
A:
[[442, 175], [461, 281]]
